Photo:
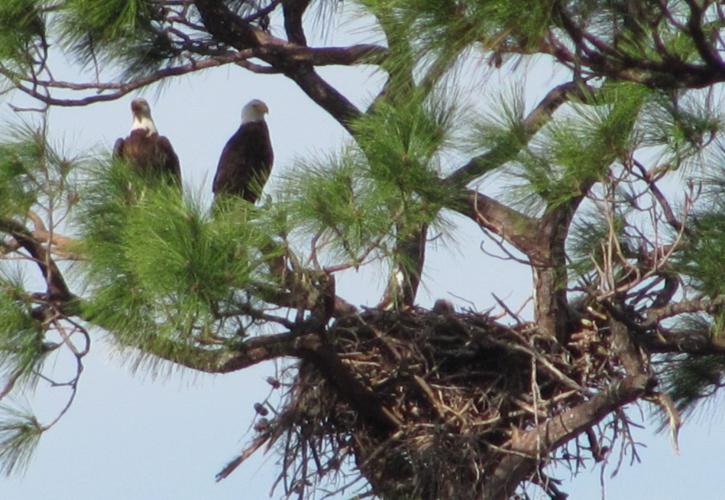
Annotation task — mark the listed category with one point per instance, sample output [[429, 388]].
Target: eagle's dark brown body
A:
[[247, 158], [144, 150], [148, 153], [245, 162]]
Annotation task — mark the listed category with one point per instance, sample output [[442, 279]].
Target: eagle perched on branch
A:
[[144, 149], [246, 160]]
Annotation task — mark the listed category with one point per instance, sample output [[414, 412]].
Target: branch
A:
[[300, 344], [57, 289], [664, 71], [516, 228], [528, 448], [705, 304], [362, 399], [648, 177], [292, 10], [230, 29], [228, 359], [58, 243], [328, 56], [665, 341], [119, 89], [537, 118], [694, 28]]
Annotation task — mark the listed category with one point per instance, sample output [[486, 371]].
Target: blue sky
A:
[[136, 436]]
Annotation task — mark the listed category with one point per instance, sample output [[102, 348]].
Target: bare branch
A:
[[116, 90], [516, 228], [228, 28], [57, 289], [554, 432], [705, 304]]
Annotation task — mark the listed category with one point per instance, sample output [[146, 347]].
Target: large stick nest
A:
[[458, 387]]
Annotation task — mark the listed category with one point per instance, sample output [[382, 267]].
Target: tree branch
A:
[[301, 344], [516, 228], [666, 341], [662, 72], [292, 10], [536, 119], [705, 304], [362, 399], [228, 359], [119, 89], [530, 447], [57, 289], [230, 29], [694, 28]]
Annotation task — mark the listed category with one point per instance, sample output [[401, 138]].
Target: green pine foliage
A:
[[384, 187], [105, 21], [587, 241], [691, 380], [19, 435], [682, 128], [703, 247], [32, 170], [572, 153], [500, 132], [158, 263], [331, 198], [703, 257], [402, 140], [22, 347], [124, 32], [442, 25], [16, 193], [22, 27]]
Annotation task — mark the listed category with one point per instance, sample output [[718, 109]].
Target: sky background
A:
[[164, 436]]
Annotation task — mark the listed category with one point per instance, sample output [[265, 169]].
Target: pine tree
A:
[[628, 300]]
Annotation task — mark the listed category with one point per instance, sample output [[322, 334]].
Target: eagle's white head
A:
[[254, 111], [142, 116]]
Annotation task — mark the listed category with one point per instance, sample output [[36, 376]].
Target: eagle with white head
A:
[[144, 149], [246, 160]]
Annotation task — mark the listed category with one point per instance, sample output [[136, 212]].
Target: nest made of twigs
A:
[[457, 385]]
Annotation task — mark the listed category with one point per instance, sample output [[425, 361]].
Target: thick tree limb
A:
[[252, 351], [406, 275], [529, 448], [542, 241], [705, 304], [230, 29], [550, 269], [303, 344], [516, 228], [292, 10]]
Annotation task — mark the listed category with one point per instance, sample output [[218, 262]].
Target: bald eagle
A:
[[246, 160], [144, 149]]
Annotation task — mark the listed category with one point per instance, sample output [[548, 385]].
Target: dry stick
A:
[[245, 454], [545, 363]]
